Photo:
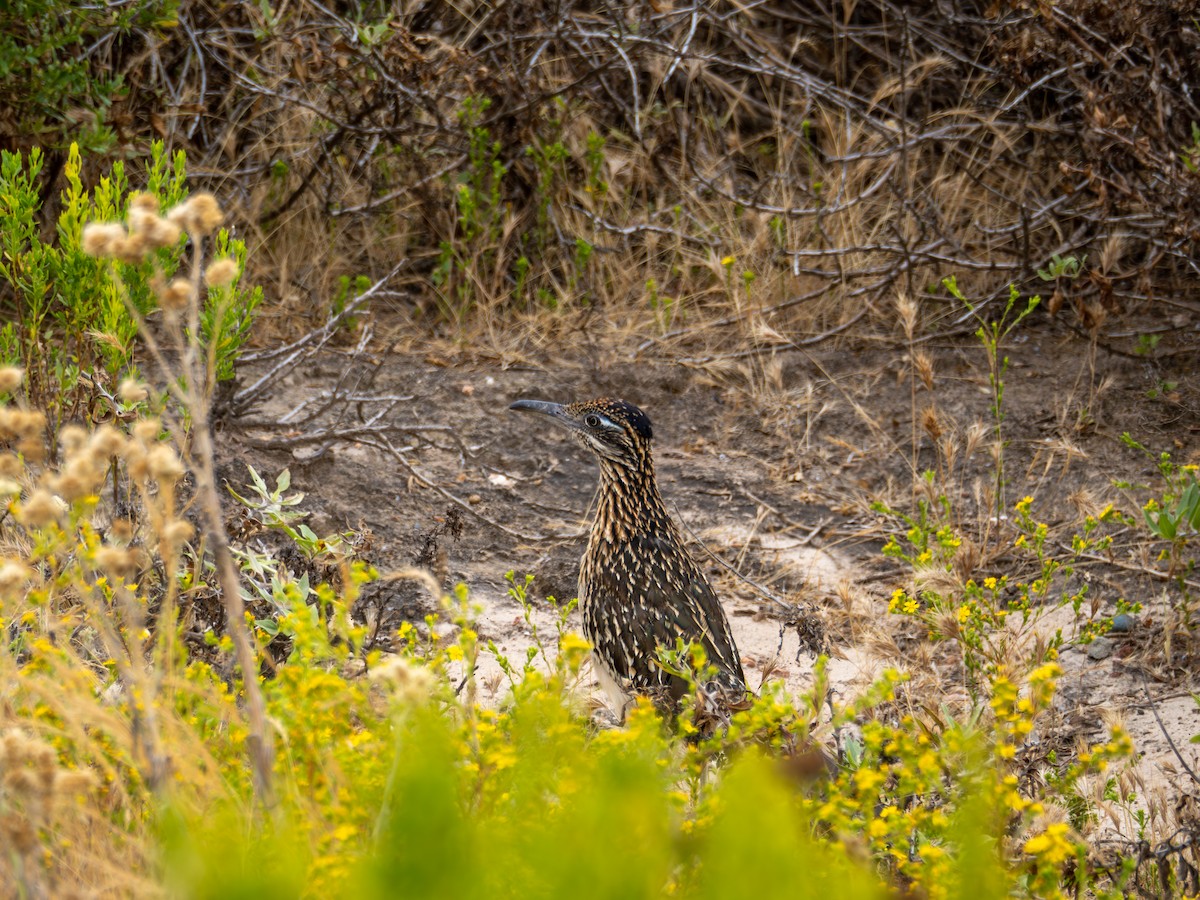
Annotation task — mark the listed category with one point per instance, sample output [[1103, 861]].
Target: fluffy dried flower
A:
[[14, 575], [164, 464], [116, 560], [177, 294], [10, 379], [29, 424], [200, 216], [147, 430], [74, 781], [135, 461], [10, 466], [32, 448], [41, 509], [133, 249], [410, 682], [221, 272], [163, 233], [132, 391], [72, 486], [141, 221], [72, 438], [106, 442], [177, 533], [101, 238], [143, 202]]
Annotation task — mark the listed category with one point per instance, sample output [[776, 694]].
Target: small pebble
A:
[[1100, 648], [1122, 624]]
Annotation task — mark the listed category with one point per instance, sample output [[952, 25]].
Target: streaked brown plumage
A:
[[638, 586]]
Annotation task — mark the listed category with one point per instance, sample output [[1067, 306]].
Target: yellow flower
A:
[[728, 261], [964, 613], [989, 583], [1053, 845]]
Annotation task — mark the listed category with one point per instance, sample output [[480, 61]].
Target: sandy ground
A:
[[772, 478]]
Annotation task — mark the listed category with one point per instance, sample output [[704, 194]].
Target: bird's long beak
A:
[[545, 407], [556, 411]]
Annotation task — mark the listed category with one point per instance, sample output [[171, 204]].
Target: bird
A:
[[639, 588]]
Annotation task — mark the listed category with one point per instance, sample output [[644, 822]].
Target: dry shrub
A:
[[834, 155]]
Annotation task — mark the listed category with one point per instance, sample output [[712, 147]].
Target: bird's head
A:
[[616, 431]]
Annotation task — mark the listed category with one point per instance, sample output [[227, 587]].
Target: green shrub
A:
[[57, 89], [73, 324]]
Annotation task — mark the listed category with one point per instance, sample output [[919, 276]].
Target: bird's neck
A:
[[629, 503]]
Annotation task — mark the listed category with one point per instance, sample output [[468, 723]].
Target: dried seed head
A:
[[221, 272], [19, 833], [32, 448], [177, 532], [14, 575], [907, 308], [207, 212], [121, 529], [10, 466], [100, 239], [924, 366], [199, 216], [143, 202], [931, 423], [410, 682], [163, 233], [177, 294], [72, 486], [106, 442], [975, 435], [164, 464], [10, 379], [117, 561], [132, 391], [22, 423], [141, 221], [41, 509], [147, 430], [72, 438], [74, 781], [949, 450], [133, 249], [135, 461]]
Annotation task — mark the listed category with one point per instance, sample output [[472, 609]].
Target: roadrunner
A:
[[639, 589]]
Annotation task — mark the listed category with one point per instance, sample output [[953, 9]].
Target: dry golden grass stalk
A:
[[190, 381]]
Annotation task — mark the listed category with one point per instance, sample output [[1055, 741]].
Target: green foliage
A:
[[1190, 155], [70, 311], [1069, 267], [1172, 513], [991, 334], [55, 91], [228, 312]]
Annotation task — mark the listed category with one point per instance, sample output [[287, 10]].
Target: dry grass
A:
[[838, 158]]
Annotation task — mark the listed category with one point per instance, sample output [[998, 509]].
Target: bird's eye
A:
[[592, 421]]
